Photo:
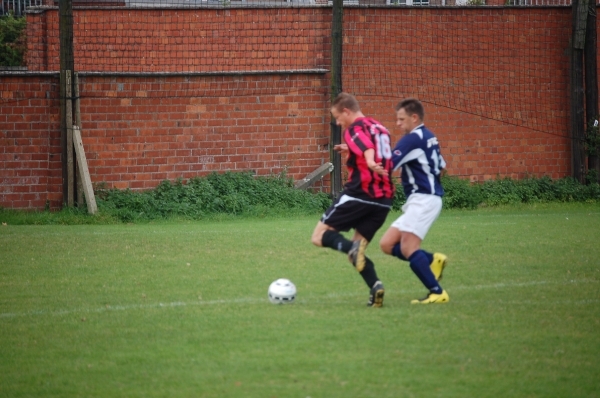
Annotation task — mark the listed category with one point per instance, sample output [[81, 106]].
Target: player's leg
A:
[[366, 270], [326, 232], [356, 255], [419, 264], [376, 295], [420, 211], [345, 214], [370, 216], [326, 236], [364, 232], [390, 243], [429, 208], [424, 210]]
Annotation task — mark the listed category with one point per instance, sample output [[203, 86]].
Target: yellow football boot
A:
[[438, 264], [357, 254], [433, 298]]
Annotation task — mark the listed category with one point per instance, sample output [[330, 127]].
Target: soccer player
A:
[[418, 154], [367, 196]]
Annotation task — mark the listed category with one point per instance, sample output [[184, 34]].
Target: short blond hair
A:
[[346, 101]]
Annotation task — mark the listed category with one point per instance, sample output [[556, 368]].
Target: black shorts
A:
[[364, 216]]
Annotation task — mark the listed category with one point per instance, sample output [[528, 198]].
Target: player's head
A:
[[409, 114], [345, 109]]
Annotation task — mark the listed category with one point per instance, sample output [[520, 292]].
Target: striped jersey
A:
[[418, 153], [367, 133]]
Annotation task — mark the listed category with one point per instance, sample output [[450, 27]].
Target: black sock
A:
[[368, 273], [336, 241]]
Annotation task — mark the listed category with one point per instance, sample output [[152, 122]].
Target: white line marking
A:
[[131, 307], [265, 300]]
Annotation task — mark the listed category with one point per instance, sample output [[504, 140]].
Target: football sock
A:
[[397, 252], [336, 241], [419, 263], [368, 273], [429, 256]]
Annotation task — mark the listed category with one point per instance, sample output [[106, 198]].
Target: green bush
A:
[[227, 193], [245, 194], [13, 40], [399, 198], [461, 193], [500, 192]]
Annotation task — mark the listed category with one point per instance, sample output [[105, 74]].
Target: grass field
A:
[[180, 310]]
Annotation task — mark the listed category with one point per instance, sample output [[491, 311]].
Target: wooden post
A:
[[78, 177], [317, 174], [85, 174], [579, 10], [336, 88]]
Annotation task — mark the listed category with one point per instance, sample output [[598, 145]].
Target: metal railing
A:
[[17, 7]]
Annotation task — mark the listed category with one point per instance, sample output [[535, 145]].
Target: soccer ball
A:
[[282, 291]]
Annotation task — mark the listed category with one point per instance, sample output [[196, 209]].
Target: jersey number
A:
[[382, 142], [436, 159]]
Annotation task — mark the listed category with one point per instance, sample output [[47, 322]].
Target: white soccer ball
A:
[[282, 291]]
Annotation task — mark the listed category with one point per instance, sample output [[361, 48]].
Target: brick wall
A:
[[136, 137], [30, 166], [198, 40], [494, 82], [139, 129]]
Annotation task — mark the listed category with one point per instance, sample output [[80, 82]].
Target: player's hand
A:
[[341, 148], [378, 168]]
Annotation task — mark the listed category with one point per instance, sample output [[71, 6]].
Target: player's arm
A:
[[399, 152], [443, 170], [369, 155], [341, 148], [407, 149]]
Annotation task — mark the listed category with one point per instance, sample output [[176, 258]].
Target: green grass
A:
[[180, 310]]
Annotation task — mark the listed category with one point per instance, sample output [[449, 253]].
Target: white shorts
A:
[[419, 213]]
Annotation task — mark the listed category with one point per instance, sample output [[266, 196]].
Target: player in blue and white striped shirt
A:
[[419, 157]]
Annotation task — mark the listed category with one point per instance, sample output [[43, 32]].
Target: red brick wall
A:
[[141, 129], [183, 40], [494, 82], [30, 166], [136, 135]]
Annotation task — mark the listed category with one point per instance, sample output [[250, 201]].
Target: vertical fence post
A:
[[591, 91], [69, 122], [579, 10], [336, 88], [65, 10]]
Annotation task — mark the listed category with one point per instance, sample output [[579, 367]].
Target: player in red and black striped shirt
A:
[[363, 182], [367, 197]]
